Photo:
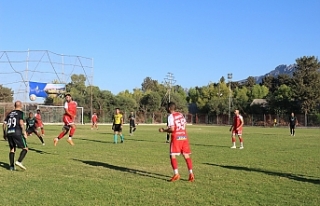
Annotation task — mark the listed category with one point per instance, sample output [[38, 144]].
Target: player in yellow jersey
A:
[[117, 126]]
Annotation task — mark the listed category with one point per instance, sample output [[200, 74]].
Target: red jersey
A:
[[237, 121], [179, 138], [71, 107], [38, 118], [94, 118], [179, 122]]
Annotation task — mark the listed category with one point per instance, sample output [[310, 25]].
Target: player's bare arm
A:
[[23, 129], [167, 130]]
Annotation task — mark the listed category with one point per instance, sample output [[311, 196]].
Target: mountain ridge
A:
[[281, 69]]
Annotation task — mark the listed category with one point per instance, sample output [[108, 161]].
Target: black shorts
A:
[[17, 141], [132, 124], [31, 130], [117, 128]]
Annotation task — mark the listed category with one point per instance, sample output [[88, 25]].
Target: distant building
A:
[[259, 102]]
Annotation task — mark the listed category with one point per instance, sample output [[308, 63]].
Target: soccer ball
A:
[[33, 97]]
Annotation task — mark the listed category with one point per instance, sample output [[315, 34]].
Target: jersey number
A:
[[180, 124], [12, 122]]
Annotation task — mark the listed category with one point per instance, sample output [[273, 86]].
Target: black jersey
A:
[[292, 120], [13, 122], [31, 123], [131, 118]]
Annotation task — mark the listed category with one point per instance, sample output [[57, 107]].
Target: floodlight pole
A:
[[229, 81], [27, 81], [169, 81]]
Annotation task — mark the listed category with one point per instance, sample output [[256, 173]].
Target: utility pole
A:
[[169, 82], [229, 81]]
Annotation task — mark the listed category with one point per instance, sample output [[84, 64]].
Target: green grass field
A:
[[273, 169]]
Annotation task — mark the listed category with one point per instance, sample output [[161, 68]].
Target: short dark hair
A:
[[38, 110], [68, 94], [172, 105]]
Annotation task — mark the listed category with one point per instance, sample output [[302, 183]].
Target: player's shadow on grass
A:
[[139, 140], [300, 178], [110, 133], [94, 140], [4, 165], [37, 151], [209, 145], [125, 169]]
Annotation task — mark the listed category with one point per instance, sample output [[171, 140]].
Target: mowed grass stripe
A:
[[273, 169]]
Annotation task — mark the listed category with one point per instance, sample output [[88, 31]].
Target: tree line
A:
[[299, 93]]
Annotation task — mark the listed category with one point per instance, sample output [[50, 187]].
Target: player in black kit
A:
[[14, 132], [292, 124], [132, 122], [31, 123]]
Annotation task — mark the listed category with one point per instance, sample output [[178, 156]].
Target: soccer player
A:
[[275, 123], [179, 141], [117, 126], [94, 121], [31, 123], [70, 108], [15, 133], [236, 129], [39, 123], [132, 123], [292, 124]]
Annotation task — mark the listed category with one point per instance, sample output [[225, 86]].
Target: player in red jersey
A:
[[94, 121], [70, 108], [179, 141], [236, 129], [39, 123]]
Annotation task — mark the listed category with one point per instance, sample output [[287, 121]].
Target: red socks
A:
[[61, 135], [72, 130], [174, 163]]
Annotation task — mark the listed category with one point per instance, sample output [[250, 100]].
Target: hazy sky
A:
[[198, 41]]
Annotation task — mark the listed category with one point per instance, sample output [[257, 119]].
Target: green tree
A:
[[259, 92], [306, 83], [270, 82], [78, 90], [280, 102], [6, 94], [126, 104], [241, 99], [137, 96], [250, 82], [193, 95], [149, 84], [284, 79], [150, 102], [180, 102]]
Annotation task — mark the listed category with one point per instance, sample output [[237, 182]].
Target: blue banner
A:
[[37, 89], [44, 89]]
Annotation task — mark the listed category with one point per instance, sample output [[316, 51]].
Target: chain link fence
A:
[[268, 120], [50, 115]]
